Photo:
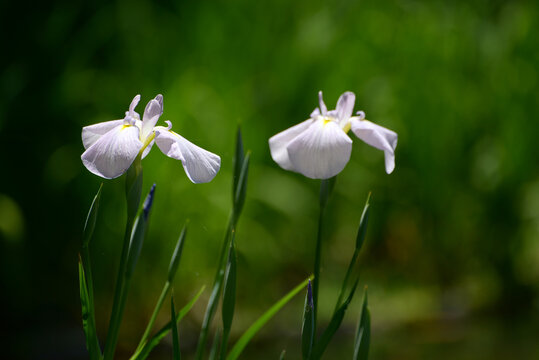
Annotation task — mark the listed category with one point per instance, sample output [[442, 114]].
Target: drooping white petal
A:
[[321, 151], [345, 106], [92, 133], [112, 154], [154, 109], [378, 137], [200, 165], [279, 142]]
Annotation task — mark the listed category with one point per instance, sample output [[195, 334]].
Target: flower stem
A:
[[133, 192], [326, 186]]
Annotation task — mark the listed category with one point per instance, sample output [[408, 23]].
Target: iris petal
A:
[[112, 154], [321, 151], [92, 133], [345, 106], [152, 112], [200, 165], [279, 142], [379, 137]]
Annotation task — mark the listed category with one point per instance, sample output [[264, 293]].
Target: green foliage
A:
[[262, 320], [363, 334], [156, 339], [88, 325], [307, 328], [175, 344]]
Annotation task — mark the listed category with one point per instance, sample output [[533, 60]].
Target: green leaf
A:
[[173, 267], [176, 256], [362, 230], [88, 325], [258, 324], [363, 334], [241, 190], [175, 344], [333, 326], [156, 339], [89, 225], [214, 351], [229, 292], [238, 162], [229, 295], [307, 329], [283, 353], [139, 233]]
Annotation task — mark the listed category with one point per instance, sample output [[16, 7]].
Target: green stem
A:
[[133, 187], [217, 285], [146, 334], [85, 254], [317, 255], [346, 277], [116, 315]]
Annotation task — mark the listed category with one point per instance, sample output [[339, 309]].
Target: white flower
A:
[[320, 148], [112, 146]]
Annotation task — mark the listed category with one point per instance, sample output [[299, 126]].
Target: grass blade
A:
[[91, 219], [173, 267], [229, 296], [87, 315], [92, 341], [241, 190], [363, 335], [283, 353], [156, 339], [307, 329], [333, 326], [238, 162], [175, 344], [258, 324], [214, 351]]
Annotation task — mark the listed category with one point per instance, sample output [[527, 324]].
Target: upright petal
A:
[[378, 137], [321, 151], [153, 111], [200, 165], [323, 107], [345, 106], [279, 142], [112, 154], [92, 133]]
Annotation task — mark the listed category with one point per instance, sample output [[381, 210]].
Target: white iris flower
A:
[[112, 146], [320, 148]]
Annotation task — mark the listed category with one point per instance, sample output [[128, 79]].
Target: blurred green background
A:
[[452, 251]]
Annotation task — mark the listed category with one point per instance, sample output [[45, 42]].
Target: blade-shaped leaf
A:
[[156, 339], [89, 225], [214, 351], [175, 344], [307, 329], [229, 288], [241, 190], [229, 296], [333, 326], [238, 162], [363, 335], [88, 325], [258, 324], [362, 230], [283, 353], [176, 256], [139, 233]]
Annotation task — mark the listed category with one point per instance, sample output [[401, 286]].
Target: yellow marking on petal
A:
[[347, 127], [125, 126]]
